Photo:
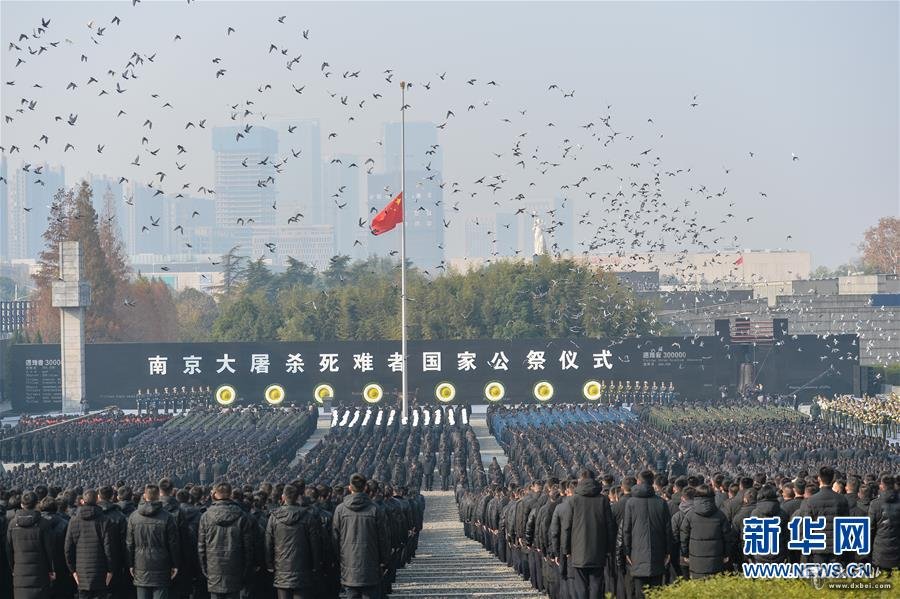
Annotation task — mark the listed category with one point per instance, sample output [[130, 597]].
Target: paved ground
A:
[[489, 446], [450, 565]]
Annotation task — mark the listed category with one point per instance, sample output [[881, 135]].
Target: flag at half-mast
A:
[[389, 217]]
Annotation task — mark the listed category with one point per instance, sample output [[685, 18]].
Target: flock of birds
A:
[[628, 186]]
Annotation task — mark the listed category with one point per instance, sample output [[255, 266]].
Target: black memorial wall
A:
[[696, 366]]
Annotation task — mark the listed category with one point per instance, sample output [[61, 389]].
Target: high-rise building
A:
[[108, 195], [311, 244], [507, 234], [4, 208], [424, 196], [196, 219], [244, 183], [146, 223], [300, 182], [423, 153], [491, 236], [342, 204], [478, 243], [30, 208], [424, 217]]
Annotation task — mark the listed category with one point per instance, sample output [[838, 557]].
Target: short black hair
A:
[[767, 493], [48, 504], [223, 490], [151, 492], [290, 493], [28, 500], [826, 475], [358, 483], [646, 478]]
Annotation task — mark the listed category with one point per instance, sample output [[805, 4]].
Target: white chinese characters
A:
[[192, 364], [158, 364]]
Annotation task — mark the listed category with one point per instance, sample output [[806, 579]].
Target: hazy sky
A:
[[816, 79]]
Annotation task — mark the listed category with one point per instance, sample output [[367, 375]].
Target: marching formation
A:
[[372, 441], [62, 439], [879, 415], [99, 529], [293, 540], [595, 499], [592, 499], [245, 444]]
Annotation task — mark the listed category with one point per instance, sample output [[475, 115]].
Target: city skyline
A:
[[732, 144]]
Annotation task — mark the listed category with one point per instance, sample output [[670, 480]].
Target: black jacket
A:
[[523, 510], [64, 585], [89, 548], [294, 546], [645, 532], [791, 505], [152, 542], [362, 539], [829, 504], [116, 522], [767, 508], [29, 550], [592, 532], [225, 547], [189, 564], [705, 536], [884, 512]]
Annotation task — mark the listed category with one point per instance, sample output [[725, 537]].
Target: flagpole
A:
[[405, 406]]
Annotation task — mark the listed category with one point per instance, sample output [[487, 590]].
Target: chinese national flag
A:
[[389, 217], [739, 261]]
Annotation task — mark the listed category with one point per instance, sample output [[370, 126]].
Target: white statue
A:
[[540, 242]]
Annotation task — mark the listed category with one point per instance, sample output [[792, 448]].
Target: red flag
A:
[[389, 217], [739, 261]]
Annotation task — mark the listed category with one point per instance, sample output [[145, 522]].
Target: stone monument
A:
[[71, 295]]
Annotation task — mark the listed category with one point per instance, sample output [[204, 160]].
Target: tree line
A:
[[348, 300]]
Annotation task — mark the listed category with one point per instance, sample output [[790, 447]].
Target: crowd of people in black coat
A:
[[435, 442], [736, 441], [246, 444], [70, 438], [69, 531], [673, 513], [290, 541]]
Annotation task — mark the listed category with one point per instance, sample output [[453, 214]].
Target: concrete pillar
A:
[[71, 295]]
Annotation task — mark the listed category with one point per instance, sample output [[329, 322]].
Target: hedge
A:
[[731, 586]]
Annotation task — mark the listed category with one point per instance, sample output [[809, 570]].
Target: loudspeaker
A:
[[779, 328]]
